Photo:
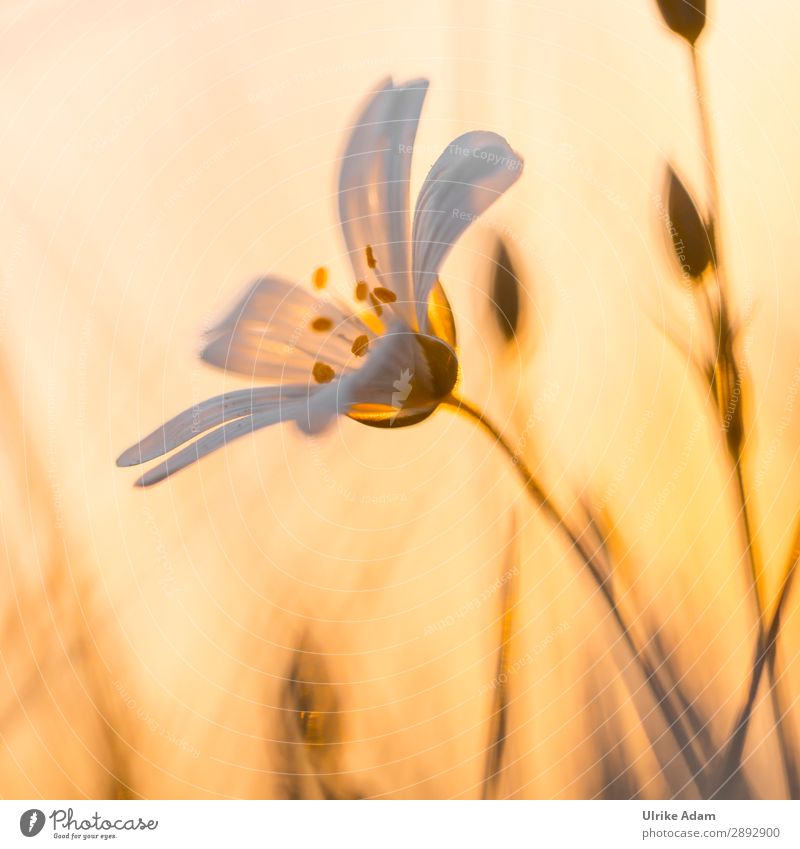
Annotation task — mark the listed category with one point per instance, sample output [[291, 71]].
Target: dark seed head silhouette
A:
[[506, 302], [684, 17], [691, 237]]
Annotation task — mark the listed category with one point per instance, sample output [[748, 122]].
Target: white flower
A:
[[387, 357]]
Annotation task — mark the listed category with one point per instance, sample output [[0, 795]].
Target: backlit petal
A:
[[374, 205], [470, 175], [275, 333], [206, 415], [217, 439]]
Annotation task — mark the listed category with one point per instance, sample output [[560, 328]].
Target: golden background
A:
[[155, 158]]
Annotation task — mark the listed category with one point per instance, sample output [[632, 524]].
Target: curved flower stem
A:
[[672, 716], [728, 386]]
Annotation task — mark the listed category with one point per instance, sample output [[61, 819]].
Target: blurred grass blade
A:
[[499, 717], [313, 744]]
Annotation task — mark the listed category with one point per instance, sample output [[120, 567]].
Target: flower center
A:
[[434, 356], [442, 361]]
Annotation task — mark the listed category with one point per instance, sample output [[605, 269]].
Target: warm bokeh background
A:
[[153, 159]]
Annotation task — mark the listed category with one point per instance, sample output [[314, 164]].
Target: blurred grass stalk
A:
[[594, 558], [727, 379], [729, 383]]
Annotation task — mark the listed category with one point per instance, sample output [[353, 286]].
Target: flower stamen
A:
[[362, 290], [321, 324], [320, 277], [387, 296], [376, 304], [322, 372], [360, 345], [371, 261]]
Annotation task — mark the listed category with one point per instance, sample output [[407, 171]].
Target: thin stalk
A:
[[499, 718], [537, 493], [726, 371], [729, 389], [763, 658]]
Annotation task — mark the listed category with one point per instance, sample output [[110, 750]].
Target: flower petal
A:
[[374, 206], [323, 406], [270, 333], [470, 175], [206, 415], [217, 439]]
